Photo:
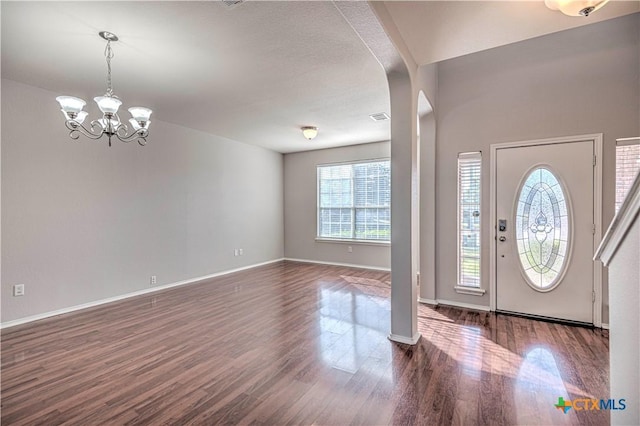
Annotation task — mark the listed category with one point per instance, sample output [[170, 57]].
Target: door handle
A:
[[502, 239]]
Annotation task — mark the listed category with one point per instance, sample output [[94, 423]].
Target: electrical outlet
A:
[[18, 290], [241, 252], [235, 252], [349, 249], [154, 280]]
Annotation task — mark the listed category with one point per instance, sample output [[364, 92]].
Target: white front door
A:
[[545, 216]]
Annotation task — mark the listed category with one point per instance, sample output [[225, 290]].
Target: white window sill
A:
[[470, 290], [354, 242]]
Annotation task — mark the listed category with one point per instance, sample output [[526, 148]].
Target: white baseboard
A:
[[427, 301], [605, 326], [350, 265], [403, 339], [463, 305], [37, 317]]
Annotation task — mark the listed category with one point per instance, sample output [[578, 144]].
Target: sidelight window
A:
[[469, 174], [627, 167]]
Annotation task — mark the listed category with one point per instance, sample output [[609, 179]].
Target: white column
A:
[[404, 210], [377, 31]]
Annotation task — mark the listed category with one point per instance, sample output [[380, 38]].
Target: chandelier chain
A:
[[108, 54]]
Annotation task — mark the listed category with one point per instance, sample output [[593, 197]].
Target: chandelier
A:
[[110, 124]]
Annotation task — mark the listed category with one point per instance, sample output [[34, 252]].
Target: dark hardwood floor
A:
[[293, 343]]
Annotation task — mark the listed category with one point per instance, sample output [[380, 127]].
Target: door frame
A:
[[597, 213]]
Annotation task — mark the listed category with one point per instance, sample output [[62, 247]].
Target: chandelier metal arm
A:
[[76, 129], [139, 135], [96, 132]]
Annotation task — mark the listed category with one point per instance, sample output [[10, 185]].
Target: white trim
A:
[[350, 265], [605, 326], [382, 243], [348, 162], [406, 340], [493, 151], [473, 291], [464, 305], [597, 212], [598, 271], [627, 141], [427, 301], [620, 225], [62, 311], [471, 155]]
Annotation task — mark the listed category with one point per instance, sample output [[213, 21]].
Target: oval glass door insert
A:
[[542, 229]]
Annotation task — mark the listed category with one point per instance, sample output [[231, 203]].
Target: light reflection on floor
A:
[[530, 386], [469, 348], [354, 324]]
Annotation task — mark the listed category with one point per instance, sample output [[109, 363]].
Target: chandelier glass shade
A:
[[110, 124]]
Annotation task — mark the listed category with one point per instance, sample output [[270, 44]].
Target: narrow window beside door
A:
[[627, 166], [469, 172]]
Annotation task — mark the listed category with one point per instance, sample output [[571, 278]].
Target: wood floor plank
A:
[[295, 343]]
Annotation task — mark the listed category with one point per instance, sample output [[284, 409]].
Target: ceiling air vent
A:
[[230, 4], [381, 116]]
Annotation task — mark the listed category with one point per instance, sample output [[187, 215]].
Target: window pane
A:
[[542, 227], [361, 195], [334, 184], [335, 223], [469, 169], [627, 166], [373, 224]]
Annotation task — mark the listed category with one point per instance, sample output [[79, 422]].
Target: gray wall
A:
[[575, 82], [82, 222], [624, 358], [300, 199]]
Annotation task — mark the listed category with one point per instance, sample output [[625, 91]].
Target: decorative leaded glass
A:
[[542, 228]]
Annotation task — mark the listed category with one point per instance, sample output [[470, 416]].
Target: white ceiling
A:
[[438, 30], [256, 72]]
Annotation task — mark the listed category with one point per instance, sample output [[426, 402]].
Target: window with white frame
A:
[[354, 201], [627, 166], [469, 171]]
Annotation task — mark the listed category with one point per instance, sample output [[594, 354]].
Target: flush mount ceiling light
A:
[[575, 7], [310, 132], [110, 124]]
